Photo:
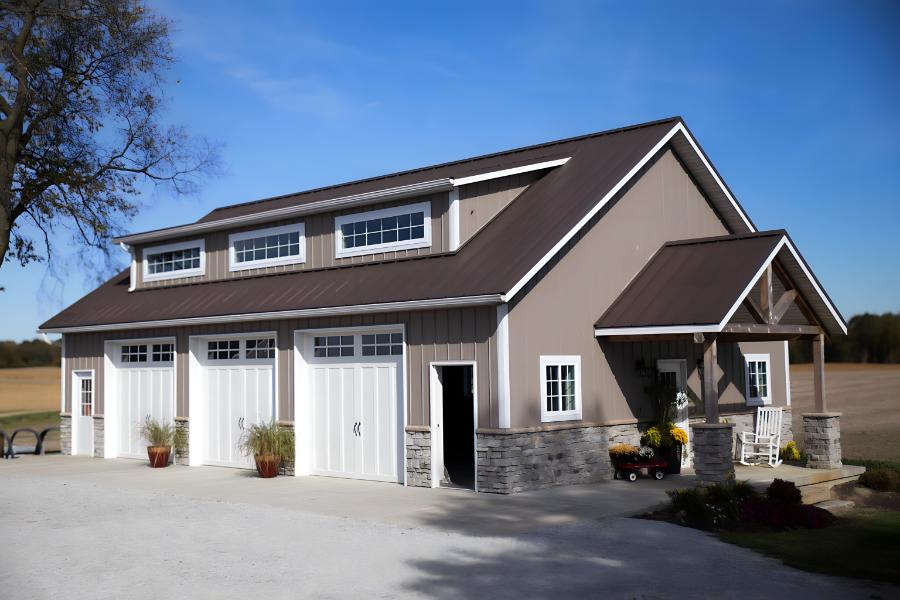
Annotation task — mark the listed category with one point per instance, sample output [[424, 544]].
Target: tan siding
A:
[[556, 316], [431, 335], [480, 202], [319, 231]]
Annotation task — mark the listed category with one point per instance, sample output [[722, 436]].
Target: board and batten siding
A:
[[480, 202], [555, 314], [434, 335], [320, 244]]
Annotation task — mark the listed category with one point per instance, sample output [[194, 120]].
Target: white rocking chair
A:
[[764, 444]]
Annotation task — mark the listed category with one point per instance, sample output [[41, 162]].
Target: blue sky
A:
[[797, 104]]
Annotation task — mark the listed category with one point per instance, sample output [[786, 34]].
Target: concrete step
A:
[[814, 494], [837, 507]]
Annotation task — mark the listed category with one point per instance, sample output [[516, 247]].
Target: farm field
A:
[[867, 395], [869, 398]]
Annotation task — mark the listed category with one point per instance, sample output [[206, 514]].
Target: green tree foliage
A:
[[33, 353], [80, 122], [870, 339]]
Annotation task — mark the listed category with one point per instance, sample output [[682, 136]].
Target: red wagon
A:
[[656, 468]]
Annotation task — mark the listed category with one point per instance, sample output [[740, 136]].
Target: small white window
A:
[[260, 348], [284, 245], [134, 353], [163, 352], [758, 379], [333, 345], [390, 229], [560, 388], [223, 350], [382, 344], [184, 259]]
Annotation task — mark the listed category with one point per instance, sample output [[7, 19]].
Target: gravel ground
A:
[[83, 539]]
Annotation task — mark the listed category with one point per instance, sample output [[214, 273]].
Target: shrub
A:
[[713, 506], [158, 433], [881, 479], [784, 492], [790, 452], [893, 465], [652, 437]]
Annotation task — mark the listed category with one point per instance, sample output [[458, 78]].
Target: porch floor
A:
[[801, 476]]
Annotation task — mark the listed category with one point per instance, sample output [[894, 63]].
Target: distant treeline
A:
[[33, 353], [869, 339]]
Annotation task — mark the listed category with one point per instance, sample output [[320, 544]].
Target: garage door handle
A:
[[241, 423], [355, 425]]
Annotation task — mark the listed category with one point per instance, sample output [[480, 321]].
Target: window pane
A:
[[417, 232], [417, 218]]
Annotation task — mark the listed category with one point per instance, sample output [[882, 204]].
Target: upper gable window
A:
[[386, 230], [184, 259], [283, 245]]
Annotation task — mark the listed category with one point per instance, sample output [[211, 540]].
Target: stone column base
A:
[[99, 436], [822, 432], [65, 434], [183, 457], [418, 457], [713, 462]]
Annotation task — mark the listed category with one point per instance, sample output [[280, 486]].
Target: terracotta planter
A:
[[159, 456], [267, 465]]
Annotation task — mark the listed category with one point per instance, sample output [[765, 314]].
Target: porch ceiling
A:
[[696, 286]]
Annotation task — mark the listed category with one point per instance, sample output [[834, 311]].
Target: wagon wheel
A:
[[659, 474], [632, 476]]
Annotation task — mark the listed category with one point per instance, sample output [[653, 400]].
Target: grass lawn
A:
[[864, 545]]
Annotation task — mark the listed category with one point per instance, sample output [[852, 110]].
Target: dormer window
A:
[[266, 247], [386, 230], [173, 261]]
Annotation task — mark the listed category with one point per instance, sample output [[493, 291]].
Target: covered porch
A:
[[727, 290]]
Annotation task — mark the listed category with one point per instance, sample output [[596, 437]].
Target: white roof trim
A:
[[513, 171], [678, 128], [486, 299], [656, 330], [753, 282], [395, 193], [812, 281]]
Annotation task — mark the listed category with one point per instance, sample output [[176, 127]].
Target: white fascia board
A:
[[395, 193], [753, 282], [549, 164], [678, 128], [812, 282], [486, 299], [656, 330]]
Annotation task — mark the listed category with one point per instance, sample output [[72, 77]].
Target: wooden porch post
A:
[[818, 350], [710, 385]]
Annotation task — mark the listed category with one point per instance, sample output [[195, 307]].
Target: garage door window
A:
[[262, 348], [134, 353], [163, 352], [333, 345], [223, 350], [382, 344]]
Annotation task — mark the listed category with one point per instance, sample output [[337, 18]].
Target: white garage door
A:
[[355, 391], [240, 391], [145, 386]]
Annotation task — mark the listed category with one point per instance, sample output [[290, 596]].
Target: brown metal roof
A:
[[490, 263], [698, 282]]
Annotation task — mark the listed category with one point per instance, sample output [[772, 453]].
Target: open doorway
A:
[[453, 414]]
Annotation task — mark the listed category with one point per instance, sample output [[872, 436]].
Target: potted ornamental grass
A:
[[269, 445], [161, 437]]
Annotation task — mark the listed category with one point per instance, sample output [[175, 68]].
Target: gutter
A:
[[406, 305]]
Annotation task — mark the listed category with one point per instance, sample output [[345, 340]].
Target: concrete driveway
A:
[[88, 528]]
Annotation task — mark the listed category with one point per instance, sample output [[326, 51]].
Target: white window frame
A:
[[341, 252], [762, 400], [145, 268], [560, 415], [233, 265]]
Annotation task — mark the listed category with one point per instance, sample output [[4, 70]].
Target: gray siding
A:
[[480, 202], [555, 315], [455, 334]]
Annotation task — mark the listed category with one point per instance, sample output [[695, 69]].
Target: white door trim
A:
[[436, 399], [303, 451], [683, 418], [111, 442], [198, 410], [77, 376]]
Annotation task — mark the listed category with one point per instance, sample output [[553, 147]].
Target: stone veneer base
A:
[[713, 452], [65, 434], [822, 440], [183, 457], [517, 461], [99, 436], [418, 457]]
